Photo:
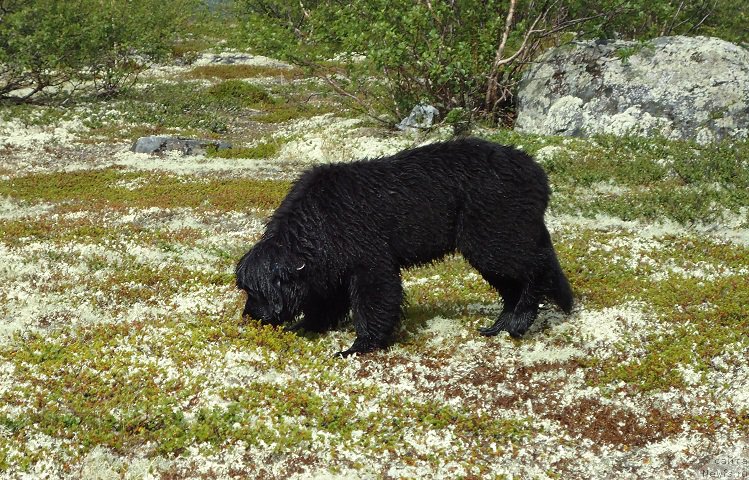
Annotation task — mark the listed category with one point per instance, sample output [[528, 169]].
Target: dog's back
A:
[[417, 204]]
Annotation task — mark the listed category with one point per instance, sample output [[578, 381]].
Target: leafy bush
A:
[[185, 106], [643, 20], [238, 93], [461, 54], [465, 54], [46, 43]]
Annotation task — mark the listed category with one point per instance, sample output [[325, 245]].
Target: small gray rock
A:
[[188, 146], [421, 116]]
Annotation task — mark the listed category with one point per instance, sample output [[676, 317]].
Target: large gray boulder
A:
[[679, 87]]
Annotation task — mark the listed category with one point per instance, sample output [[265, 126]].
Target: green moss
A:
[[30, 114], [89, 230], [742, 420], [262, 150], [93, 386], [92, 396], [106, 132], [666, 201], [718, 113], [16, 231], [178, 107], [100, 187], [237, 92], [656, 178], [701, 318], [531, 143], [280, 113], [640, 48], [193, 109], [600, 277], [450, 283], [587, 166]]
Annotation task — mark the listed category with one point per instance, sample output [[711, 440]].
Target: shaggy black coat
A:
[[340, 237]]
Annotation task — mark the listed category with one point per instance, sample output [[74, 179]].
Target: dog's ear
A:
[[241, 272], [287, 270], [296, 266]]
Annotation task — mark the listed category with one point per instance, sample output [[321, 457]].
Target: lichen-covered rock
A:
[[187, 146], [233, 57], [679, 87]]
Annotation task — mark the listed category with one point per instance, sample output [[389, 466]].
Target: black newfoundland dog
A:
[[340, 237]]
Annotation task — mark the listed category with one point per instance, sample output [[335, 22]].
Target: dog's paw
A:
[[344, 353], [490, 331], [514, 324], [499, 326], [361, 345]]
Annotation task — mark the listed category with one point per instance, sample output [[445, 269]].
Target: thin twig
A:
[[670, 28], [491, 88], [698, 24], [366, 108], [506, 31]]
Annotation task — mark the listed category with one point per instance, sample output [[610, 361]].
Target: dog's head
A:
[[273, 281]]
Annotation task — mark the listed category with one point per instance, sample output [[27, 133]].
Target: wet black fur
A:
[[340, 237]]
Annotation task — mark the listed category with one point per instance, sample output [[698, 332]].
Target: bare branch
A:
[[569, 23], [698, 24], [498, 61], [365, 107], [491, 88], [540, 28], [506, 31], [667, 30]]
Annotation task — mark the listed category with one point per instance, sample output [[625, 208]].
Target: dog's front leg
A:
[[322, 313], [376, 299]]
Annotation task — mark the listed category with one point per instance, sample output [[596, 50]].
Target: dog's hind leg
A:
[[521, 299], [518, 318], [519, 309], [510, 291], [376, 300]]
